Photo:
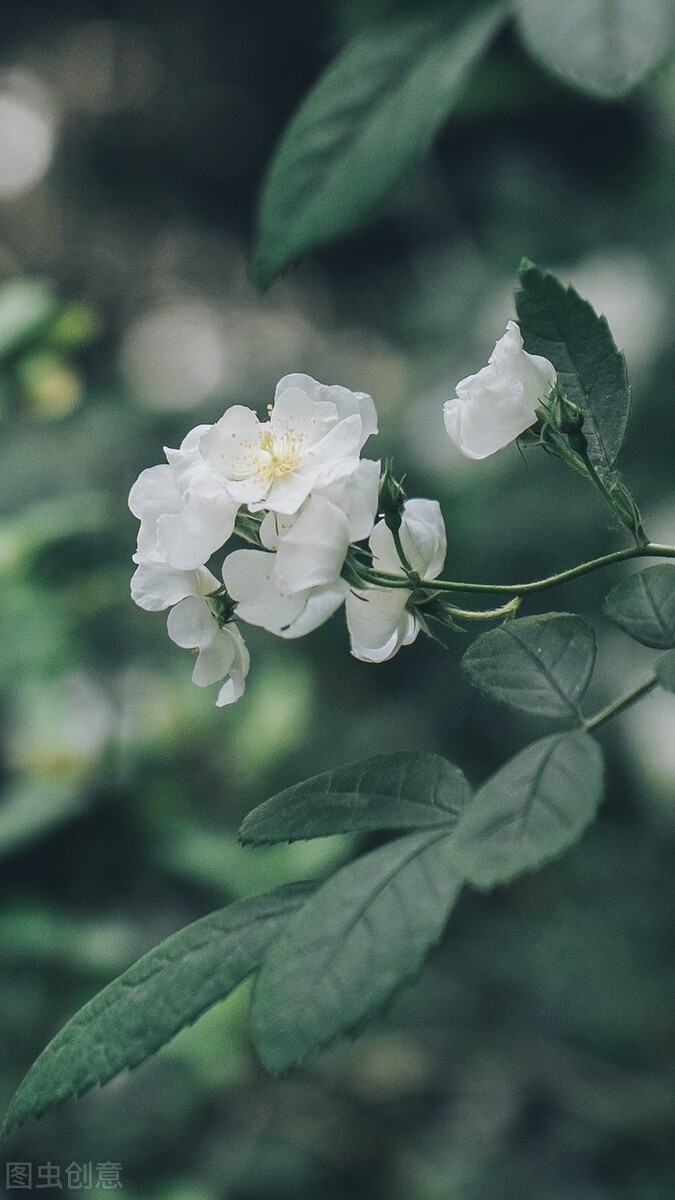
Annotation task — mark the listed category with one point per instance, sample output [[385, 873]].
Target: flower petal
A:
[[378, 622], [192, 625], [231, 446], [313, 551], [423, 537], [345, 401], [357, 495], [153, 494], [189, 537], [249, 578], [499, 403], [155, 586], [233, 688], [319, 605], [296, 413]]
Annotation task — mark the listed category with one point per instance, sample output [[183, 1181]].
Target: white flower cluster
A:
[[302, 469]]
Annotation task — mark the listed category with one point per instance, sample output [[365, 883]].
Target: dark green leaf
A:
[[371, 116], [364, 933], [665, 671], [392, 791], [539, 664], [145, 1007], [604, 47], [531, 810], [557, 323], [644, 606]]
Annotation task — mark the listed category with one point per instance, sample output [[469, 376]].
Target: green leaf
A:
[[392, 791], [536, 806], [364, 933], [145, 1007], [604, 47], [539, 664], [557, 323], [665, 671], [371, 116], [644, 606]]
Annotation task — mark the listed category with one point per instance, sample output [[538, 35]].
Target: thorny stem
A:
[[618, 706]]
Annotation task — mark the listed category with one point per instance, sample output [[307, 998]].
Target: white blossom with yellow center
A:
[[312, 439]]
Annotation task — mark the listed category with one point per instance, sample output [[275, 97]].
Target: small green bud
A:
[[565, 414], [561, 421], [392, 497]]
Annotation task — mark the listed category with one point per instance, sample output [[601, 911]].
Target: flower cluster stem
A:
[[649, 550]]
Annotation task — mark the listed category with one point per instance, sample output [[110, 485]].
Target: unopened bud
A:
[[392, 498]]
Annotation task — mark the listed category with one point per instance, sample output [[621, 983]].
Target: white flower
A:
[[379, 623], [249, 578], [296, 588], [184, 514], [499, 403], [157, 585], [293, 591], [312, 439], [221, 651]]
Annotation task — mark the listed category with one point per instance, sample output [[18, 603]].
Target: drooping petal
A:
[[192, 625], [233, 688], [249, 578], [156, 586], [378, 622], [318, 605], [385, 554], [313, 551], [423, 537]]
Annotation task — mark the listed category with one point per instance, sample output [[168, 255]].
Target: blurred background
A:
[[534, 1059]]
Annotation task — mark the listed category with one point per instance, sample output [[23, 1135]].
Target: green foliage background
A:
[[533, 1057]]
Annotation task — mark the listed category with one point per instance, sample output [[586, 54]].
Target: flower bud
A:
[[392, 497]]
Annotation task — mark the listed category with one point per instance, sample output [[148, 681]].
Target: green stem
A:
[[650, 550], [618, 706], [485, 614], [405, 563], [630, 518]]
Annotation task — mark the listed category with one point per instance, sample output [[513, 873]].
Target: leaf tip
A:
[[525, 266]]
